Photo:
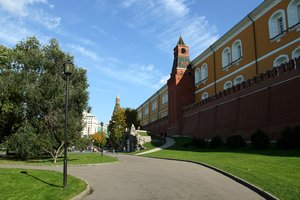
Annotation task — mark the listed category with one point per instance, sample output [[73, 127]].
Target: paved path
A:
[[169, 142], [140, 178]]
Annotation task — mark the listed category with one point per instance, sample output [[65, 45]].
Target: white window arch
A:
[[293, 12], [277, 23], [296, 52], [227, 85], [238, 80], [204, 72], [197, 75], [237, 51], [204, 96], [226, 57], [280, 60]]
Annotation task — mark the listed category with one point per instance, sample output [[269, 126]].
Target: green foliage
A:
[[32, 86], [116, 128], [99, 139], [260, 140], [235, 142], [24, 143], [131, 117], [82, 143], [199, 143], [290, 138], [216, 142]]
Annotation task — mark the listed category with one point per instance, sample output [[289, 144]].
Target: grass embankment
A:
[[18, 184], [275, 171], [73, 159]]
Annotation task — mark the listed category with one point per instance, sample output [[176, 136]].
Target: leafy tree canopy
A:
[[32, 96]]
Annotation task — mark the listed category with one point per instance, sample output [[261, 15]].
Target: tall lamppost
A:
[[68, 68], [102, 138]]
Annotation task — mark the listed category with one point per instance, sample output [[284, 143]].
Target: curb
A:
[[252, 187], [84, 193]]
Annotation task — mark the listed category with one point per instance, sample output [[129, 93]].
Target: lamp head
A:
[[68, 67]]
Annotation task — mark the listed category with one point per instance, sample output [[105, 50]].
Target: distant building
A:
[[91, 124]]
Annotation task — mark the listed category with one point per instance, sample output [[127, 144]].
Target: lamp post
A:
[[102, 135], [68, 68]]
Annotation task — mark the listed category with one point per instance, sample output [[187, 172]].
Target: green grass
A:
[[18, 184], [275, 171], [73, 159]]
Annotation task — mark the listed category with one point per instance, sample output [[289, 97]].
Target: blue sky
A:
[[125, 45]]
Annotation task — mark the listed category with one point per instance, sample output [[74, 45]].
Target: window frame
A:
[[227, 82], [280, 57], [294, 18], [237, 53], [297, 49], [204, 95], [274, 33], [235, 80], [197, 75], [226, 54]]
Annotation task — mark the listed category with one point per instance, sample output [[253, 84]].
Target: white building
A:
[[91, 124]]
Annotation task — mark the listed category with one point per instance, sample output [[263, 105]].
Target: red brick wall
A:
[[270, 101]]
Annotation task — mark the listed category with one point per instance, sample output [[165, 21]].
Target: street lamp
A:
[[102, 135], [68, 68]]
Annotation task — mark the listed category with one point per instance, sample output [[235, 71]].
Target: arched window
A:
[[280, 60], [277, 24], [296, 52], [294, 12], [204, 72], [227, 85], [226, 58], [183, 51], [204, 96], [197, 75], [238, 80], [237, 51]]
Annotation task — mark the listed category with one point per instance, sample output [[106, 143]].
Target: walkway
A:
[[169, 143]]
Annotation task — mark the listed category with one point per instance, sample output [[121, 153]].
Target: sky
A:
[[126, 46]]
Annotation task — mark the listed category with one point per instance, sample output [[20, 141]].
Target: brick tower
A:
[[180, 87]]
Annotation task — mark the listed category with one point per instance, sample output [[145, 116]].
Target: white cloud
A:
[[45, 19], [165, 20], [85, 52], [18, 7]]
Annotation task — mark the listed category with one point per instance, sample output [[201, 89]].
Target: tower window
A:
[[183, 51]]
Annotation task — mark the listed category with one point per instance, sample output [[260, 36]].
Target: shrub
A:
[[216, 142], [199, 143], [260, 140], [290, 138], [235, 141]]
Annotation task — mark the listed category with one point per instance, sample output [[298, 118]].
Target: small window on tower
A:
[[183, 50]]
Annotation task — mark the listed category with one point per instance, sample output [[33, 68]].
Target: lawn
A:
[[73, 159], [18, 184], [275, 171]]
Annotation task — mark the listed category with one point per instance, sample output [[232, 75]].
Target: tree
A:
[[99, 139], [33, 94], [131, 116], [116, 128]]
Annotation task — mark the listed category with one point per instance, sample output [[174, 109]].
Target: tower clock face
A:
[[183, 62]]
